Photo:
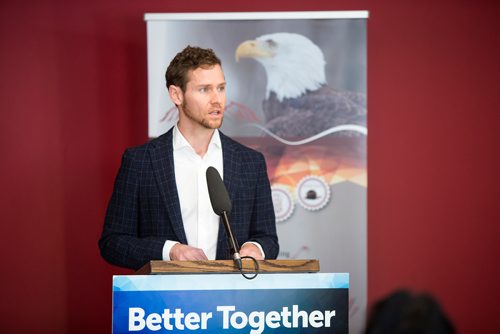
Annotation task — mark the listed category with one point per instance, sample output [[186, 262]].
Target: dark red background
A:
[[73, 95]]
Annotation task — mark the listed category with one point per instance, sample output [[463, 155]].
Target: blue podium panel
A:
[[229, 303]]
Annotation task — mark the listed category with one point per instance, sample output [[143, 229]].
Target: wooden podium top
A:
[[228, 266]]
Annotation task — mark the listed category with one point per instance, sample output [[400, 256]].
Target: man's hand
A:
[[180, 252], [249, 249]]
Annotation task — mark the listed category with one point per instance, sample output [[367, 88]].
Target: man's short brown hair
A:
[[191, 58]]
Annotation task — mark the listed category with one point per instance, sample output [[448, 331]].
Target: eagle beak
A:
[[250, 49]]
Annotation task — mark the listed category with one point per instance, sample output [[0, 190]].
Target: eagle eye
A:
[[272, 44]]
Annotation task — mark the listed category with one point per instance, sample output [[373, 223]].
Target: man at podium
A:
[[160, 207]]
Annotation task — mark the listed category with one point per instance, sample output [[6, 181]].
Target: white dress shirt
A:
[[201, 224]]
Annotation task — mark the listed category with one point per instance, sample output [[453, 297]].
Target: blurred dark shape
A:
[[311, 194], [405, 313]]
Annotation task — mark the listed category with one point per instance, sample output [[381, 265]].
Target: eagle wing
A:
[[314, 112]]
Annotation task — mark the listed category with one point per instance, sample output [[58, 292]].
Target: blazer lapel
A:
[[162, 160], [231, 166]]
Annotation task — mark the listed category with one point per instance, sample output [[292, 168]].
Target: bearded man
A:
[[160, 207]]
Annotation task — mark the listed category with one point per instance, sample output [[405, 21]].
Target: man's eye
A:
[[221, 89], [203, 90]]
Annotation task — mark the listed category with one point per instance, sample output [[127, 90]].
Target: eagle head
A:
[[293, 63]]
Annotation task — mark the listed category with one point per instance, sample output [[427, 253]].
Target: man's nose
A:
[[217, 97]]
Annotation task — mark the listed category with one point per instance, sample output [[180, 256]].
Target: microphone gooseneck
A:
[[232, 242]]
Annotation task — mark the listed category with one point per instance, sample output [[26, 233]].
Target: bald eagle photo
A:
[[298, 102]]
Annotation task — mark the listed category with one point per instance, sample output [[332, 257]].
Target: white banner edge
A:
[[354, 14]]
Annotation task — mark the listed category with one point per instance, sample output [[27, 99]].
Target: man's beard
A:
[[203, 122]]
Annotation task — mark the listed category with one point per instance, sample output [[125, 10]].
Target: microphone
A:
[[221, 204]]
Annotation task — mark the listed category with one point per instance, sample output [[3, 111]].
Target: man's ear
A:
[[175, 94]]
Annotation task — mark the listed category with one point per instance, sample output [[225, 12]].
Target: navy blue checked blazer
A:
[[144, 210]]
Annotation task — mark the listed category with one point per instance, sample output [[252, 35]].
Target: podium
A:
[[287, 296]]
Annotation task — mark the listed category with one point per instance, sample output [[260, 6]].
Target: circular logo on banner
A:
[[283, 203], [313, 192]]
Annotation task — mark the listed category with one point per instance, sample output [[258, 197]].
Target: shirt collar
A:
[[179, 141]]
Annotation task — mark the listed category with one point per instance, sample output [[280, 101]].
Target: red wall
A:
[[73, 95]]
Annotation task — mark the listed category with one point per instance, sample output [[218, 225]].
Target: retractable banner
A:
[[296, 91]]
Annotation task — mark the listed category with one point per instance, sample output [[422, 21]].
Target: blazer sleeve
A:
[[120, 243], [263, 221]]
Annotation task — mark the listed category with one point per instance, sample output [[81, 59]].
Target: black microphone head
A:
[[217, 192]]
